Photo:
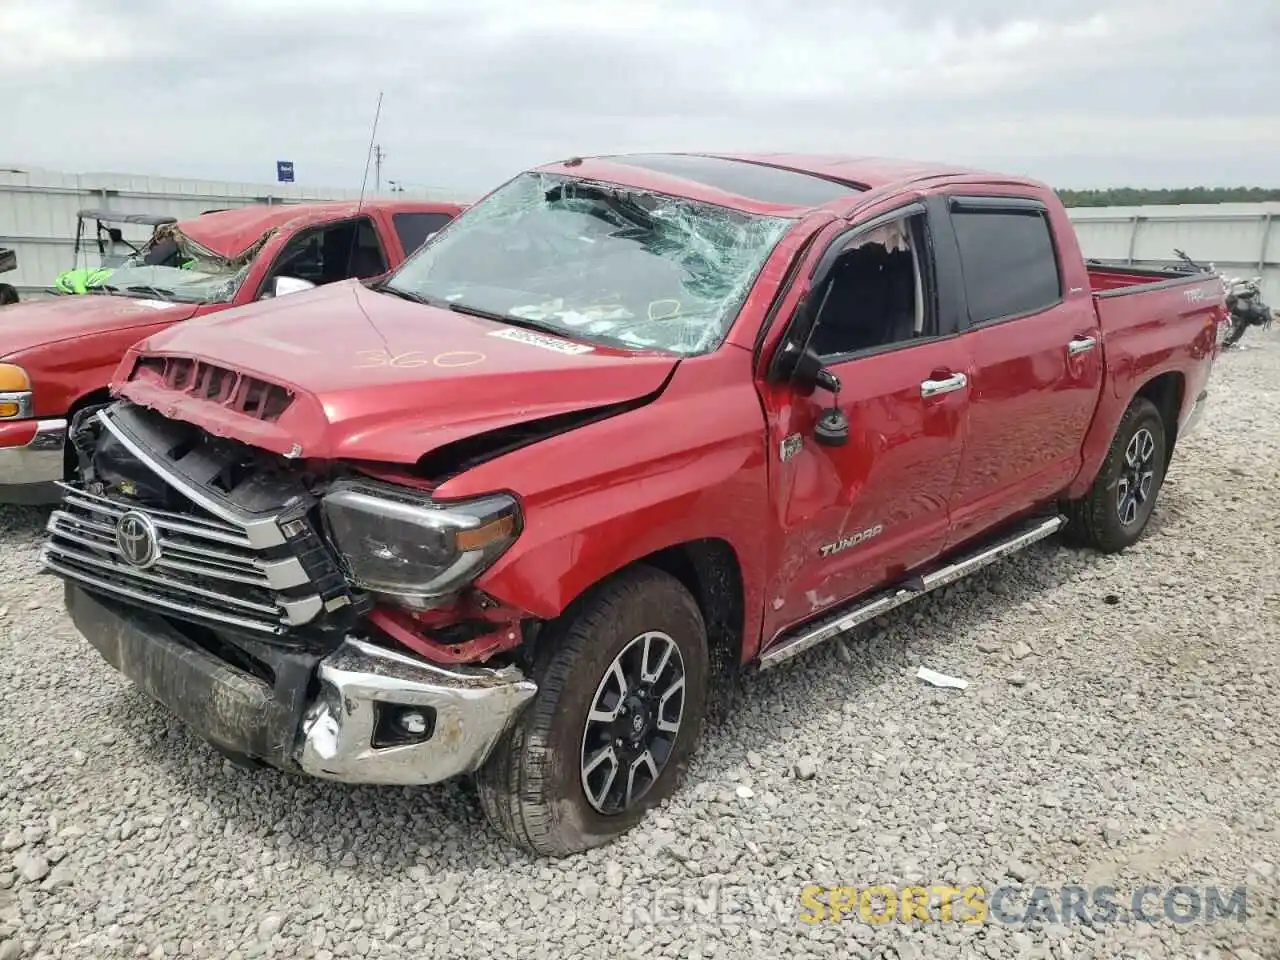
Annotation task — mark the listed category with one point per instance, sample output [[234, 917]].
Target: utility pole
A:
[[377, 167]]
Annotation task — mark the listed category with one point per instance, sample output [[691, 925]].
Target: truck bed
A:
[[1115, 280], [1130, 298]]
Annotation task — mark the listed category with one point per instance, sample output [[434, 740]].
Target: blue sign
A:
[[284, 171]]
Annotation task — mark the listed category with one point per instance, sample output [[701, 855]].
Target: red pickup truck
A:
[[622, 419], [57, 354]]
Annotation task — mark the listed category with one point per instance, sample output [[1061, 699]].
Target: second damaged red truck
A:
[[497, 513]]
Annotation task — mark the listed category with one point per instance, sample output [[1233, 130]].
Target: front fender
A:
[[691, 465]]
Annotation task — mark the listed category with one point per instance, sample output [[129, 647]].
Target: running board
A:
[[834, 624]]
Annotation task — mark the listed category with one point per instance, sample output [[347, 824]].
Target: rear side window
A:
[[1010, 267], [414, 228]]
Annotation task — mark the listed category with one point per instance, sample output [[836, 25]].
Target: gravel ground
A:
[[1120, 728]]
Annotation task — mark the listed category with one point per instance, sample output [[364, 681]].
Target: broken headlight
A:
[[405, 545]]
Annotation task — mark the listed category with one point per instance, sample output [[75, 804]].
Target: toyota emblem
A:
[[136, 538]]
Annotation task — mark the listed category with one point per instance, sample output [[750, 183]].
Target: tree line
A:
[[1135, 196]]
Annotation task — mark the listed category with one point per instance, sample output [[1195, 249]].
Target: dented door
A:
[[852, 517]]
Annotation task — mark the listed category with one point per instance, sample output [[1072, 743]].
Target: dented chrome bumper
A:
[[362, 714], [383, 717], [29, 473]]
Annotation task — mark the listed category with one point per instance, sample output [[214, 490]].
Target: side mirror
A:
[[283, 286], [795, 361], [807, 372]]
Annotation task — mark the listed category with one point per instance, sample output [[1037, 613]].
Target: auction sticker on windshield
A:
[[541, 340]]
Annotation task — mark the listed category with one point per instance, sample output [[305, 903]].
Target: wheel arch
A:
[[1167, 391], [711, 571]]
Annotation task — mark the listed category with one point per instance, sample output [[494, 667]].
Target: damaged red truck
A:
[[623, 417], [57, 354]]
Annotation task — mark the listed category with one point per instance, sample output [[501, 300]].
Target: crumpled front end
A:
[[197, 568]]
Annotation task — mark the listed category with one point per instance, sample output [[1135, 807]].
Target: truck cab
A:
[[625, 418]]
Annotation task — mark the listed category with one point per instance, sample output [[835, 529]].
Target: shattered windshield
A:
[[202, 283], [198, 280], [172, 266], [596, 262]]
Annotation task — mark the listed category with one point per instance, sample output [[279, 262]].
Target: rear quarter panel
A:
[[1148, 331]]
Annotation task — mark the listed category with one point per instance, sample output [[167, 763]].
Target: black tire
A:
[[1097, 519], [531, 788], [1238, 327], [8, 295]]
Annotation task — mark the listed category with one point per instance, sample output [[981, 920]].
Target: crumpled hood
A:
[[377, 378], [34, 323]]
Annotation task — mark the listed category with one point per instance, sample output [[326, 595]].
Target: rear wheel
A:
[[1115, 511], [621, 693]]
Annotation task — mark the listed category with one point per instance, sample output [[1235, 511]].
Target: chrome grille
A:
[[205, 569]]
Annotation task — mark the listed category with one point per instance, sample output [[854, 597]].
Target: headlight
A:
[[398, 543], [15, 392]]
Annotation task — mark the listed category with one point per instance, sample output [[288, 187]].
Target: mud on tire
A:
[[625, 644], [1115, 511]]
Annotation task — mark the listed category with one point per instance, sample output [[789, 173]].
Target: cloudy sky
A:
[[1078, 92]]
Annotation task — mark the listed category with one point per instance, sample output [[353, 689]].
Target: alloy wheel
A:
[[633, 722], [1137, 475]]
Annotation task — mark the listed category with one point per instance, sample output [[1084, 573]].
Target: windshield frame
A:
[[730, 308]]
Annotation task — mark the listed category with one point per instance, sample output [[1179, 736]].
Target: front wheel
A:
[[622, 681], [1115, 511]]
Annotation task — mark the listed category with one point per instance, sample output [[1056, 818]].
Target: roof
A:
[[118, 216], [770, 183], [229, 233]]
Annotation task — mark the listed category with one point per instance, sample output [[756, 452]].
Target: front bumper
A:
[[324, 716], [29, 474]]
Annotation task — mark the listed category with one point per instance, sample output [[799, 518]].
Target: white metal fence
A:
[[38, 211], [1240, 239], [38, 220]]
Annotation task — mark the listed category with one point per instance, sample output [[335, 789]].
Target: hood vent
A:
[[240, 392]]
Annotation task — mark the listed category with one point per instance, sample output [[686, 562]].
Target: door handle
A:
[[1081, 345], [931, 388]]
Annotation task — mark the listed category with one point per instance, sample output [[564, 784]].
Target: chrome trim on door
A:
[[932, 388], [1081, 345]]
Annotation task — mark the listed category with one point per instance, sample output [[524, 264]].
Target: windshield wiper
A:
[[470, 311], [411, 296], [511, 320], [157, 292]]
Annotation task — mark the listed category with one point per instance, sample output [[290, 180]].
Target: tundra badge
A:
[[844, 543]]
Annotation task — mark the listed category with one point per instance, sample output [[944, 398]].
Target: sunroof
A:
[[753, 180]]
